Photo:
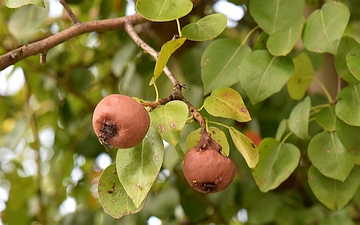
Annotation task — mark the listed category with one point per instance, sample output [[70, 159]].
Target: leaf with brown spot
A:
[[137, 167], [227, 103], [169, 120], [245, 146], [112, 195]]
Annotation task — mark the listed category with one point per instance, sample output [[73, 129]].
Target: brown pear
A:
[[120, 121], [206, 169]]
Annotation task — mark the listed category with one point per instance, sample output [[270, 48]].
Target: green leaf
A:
[[302, 77], [20, 3], [346, 44], [227, 103], [169, 120], [283, 125], [332, 193], [299, 119], [245, 146], [26, 21], [345, 132], [112, 195], [348, 105], [282, 42], [205, 29], [262, 74], [353, 61], [137, 167], [163, 10], [276, 163], [329, 156], [325, 27], [166, 51], [218, 135], [276, 15], [326, 118], [220, 63]]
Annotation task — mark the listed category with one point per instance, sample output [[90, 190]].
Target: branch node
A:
[[43, 58], [15, 55]]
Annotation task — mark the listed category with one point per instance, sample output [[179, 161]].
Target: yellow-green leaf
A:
[[20, 3], [166, 50], [227, 103], [302, 77], [245, 146]]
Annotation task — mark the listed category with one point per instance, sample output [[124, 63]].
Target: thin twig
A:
[[46, 44], [69, 12], [339, 86], [129, 28], [322, 86]]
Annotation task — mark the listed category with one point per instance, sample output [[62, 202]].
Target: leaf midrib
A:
[[263, 77], [324, 28], [219, 75]]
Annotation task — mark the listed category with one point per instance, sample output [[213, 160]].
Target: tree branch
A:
[[46, 44]]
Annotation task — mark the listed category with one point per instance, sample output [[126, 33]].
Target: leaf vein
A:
[[336, 154], [263, 77], [215, 81], [324, 28], [276, 15]]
